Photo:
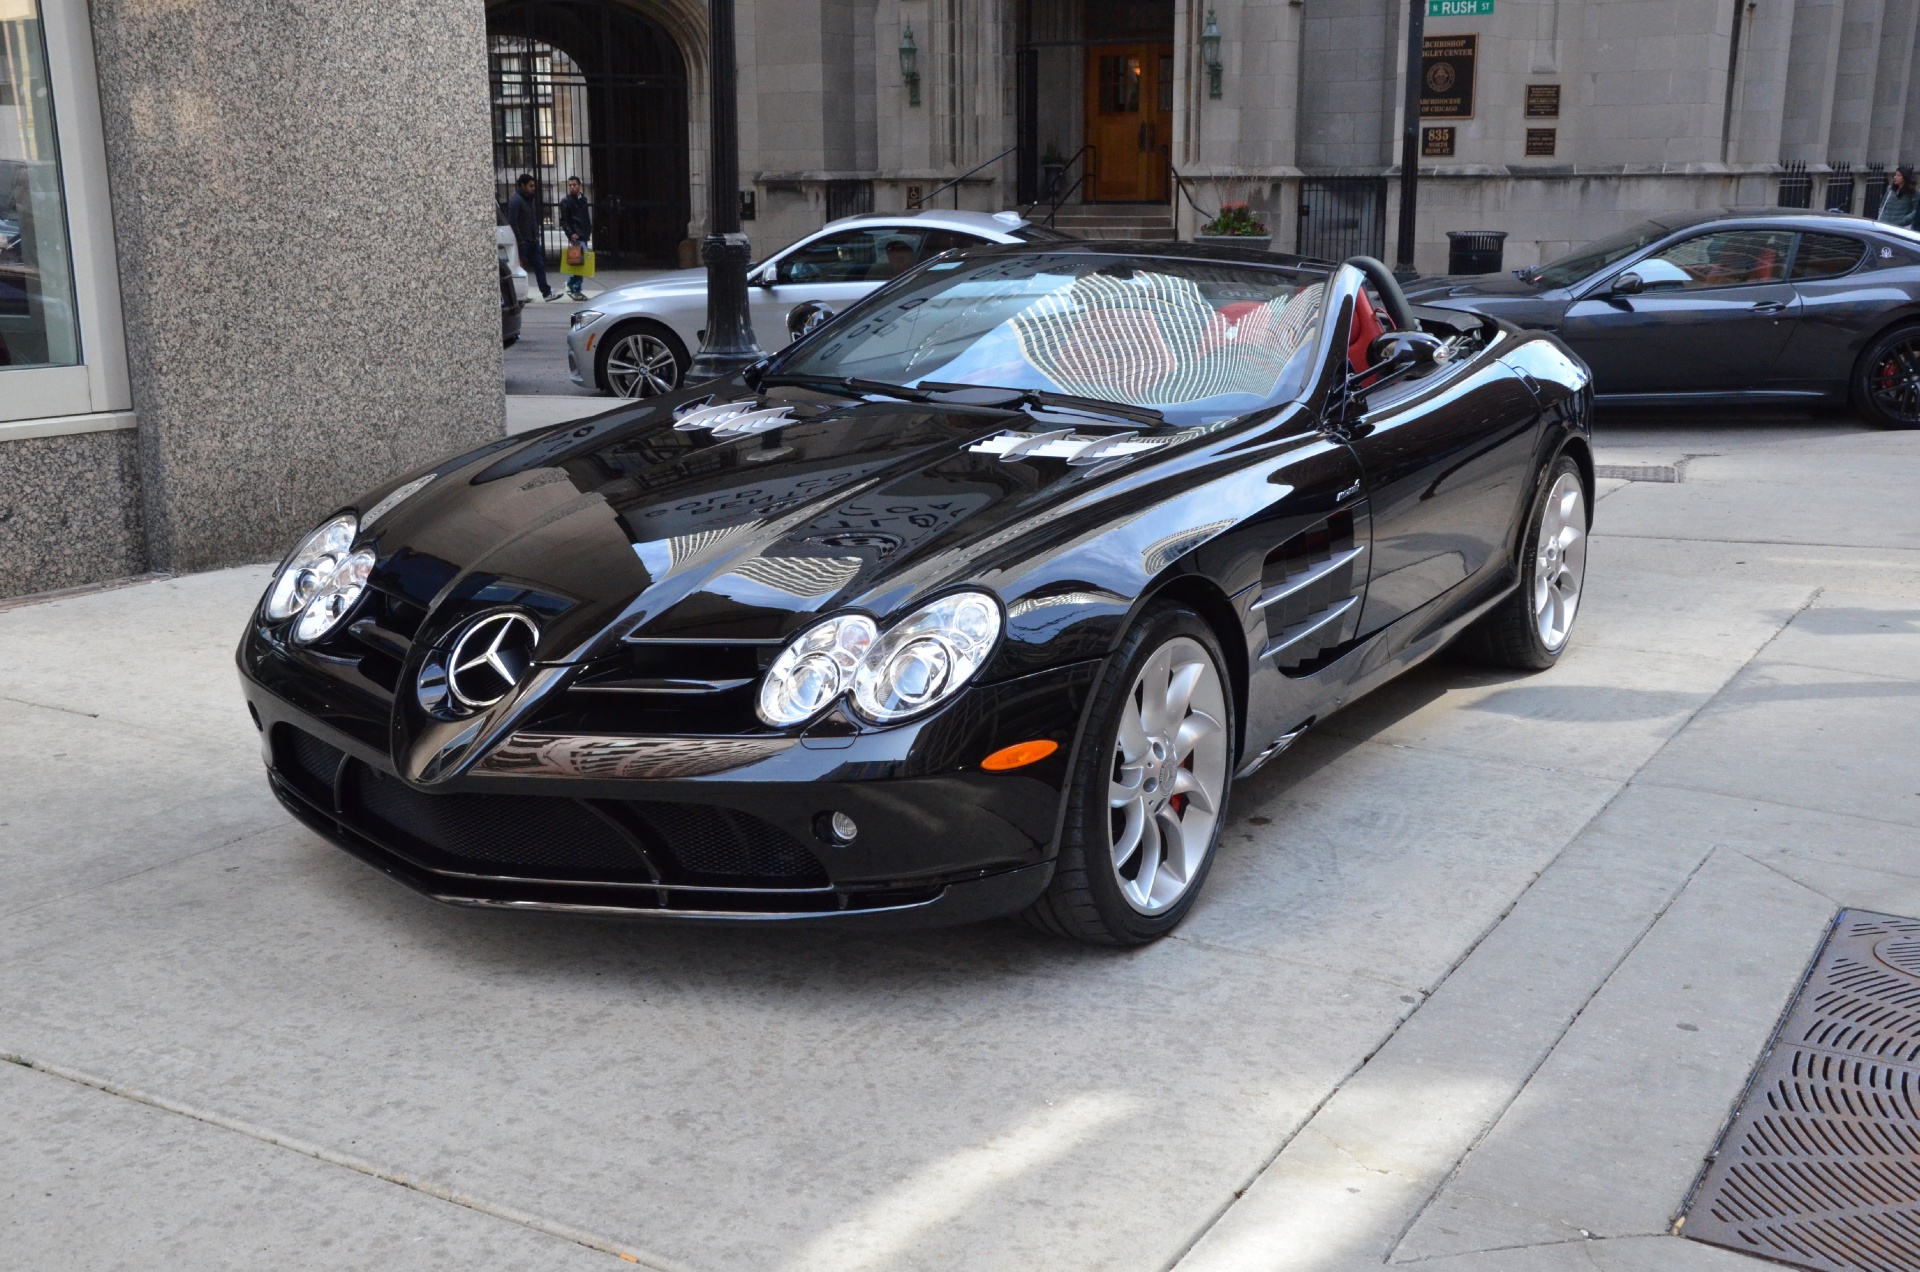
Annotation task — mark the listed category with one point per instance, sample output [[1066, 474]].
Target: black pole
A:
[[729, 343], [1410, 137], [1026, 79]]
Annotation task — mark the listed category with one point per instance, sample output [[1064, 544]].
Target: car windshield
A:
[[1196, 340], [1569, 270]]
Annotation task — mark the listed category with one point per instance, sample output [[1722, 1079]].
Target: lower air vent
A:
[[721, 845], [307, 762], [507, 834]]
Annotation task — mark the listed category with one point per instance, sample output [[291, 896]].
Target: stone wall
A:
[[303, 209], [69, 511]]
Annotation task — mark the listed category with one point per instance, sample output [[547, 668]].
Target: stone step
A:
[[1124, 232], [1109, 213]]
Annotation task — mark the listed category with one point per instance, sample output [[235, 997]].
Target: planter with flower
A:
[[1236, 225]]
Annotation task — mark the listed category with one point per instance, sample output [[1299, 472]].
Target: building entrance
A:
[[592, 89], [1130, 121]]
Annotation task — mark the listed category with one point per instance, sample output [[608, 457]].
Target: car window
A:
[[1721, 258], [1826, 256], [939, 241], [1200, 340], [870, 255], [1570, 269]]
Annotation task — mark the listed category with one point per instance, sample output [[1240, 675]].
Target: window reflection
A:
[[37, 322]]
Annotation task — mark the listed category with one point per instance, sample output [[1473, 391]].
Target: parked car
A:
[[509, 251], [1771, 305], [510, 307], [636, 341], [974, 600]]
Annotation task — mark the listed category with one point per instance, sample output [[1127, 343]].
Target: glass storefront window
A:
[[38, 326]]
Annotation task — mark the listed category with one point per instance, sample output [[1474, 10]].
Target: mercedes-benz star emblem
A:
[[490, 657]]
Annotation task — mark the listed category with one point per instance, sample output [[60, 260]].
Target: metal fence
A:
[[1341, 216], [1873, 190], [1796, 186], [1839, 188], [849, 198]]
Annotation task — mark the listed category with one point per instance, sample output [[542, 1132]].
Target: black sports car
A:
[[1771, 305], [973, 600]]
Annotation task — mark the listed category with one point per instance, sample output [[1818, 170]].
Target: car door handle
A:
[[1769, 306]]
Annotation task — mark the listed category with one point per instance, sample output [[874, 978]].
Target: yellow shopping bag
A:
[[577, 260]]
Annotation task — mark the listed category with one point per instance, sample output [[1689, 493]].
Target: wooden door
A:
[[1129, 120]]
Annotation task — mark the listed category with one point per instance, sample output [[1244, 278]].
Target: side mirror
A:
[[1628, 284], [765, 276], [755, 373], [804, 317], [1398, 350]]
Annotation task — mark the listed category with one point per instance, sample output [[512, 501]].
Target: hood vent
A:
[[735, 419], [1064, 443]]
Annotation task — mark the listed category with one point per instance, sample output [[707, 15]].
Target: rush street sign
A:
[[1459, 8]]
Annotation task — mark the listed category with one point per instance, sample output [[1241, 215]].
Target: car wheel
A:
[[1531, 627], [1147, 793], [1886, 383], [642, 361]]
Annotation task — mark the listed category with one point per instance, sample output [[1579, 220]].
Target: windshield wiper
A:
[[1046, 397], [849, 386]]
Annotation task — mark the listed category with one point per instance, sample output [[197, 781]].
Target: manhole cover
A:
[[1820, 1167]]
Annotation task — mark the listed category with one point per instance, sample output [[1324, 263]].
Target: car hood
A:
[[1426, 291], [681, 282], [626, 525]]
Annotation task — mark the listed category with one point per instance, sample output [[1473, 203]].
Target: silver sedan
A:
[[636, 341]]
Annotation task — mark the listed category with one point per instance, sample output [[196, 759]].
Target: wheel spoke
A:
[[1133, 732], [1121, 791], [1127, 842], [1155, 682], [1192, 729], [1180, 685], [1149, 869], [1173, 851], [1198, 796]]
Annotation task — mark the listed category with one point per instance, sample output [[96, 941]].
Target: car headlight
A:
[[815, 669], [582, 317], [926, 657], [321, 580]]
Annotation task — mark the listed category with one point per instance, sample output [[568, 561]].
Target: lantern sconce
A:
[[1210, 53], [909, 63]]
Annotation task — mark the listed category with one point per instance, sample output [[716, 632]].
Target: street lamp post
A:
[[1410, 137], [729, 343]]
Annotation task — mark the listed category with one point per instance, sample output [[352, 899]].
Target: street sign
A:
[[1459, 8]]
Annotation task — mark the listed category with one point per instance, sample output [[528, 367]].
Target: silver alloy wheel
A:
[[1169, 774], [1559, 561], [640, 365]]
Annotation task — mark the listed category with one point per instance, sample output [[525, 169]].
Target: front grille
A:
[[519, 832], [703, 844]]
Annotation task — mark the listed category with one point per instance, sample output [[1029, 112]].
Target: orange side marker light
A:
[[1019, 755]]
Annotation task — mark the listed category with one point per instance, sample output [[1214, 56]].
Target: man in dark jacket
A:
[[576, 222], [523, 215]]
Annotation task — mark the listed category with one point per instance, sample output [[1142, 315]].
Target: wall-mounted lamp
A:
[[909, 60], [1210, 53]]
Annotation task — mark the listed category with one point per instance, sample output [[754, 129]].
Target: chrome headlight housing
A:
[[321, 580], [814, 669], [926, 657]]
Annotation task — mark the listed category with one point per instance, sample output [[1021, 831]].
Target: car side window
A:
[[874, 254], [1826, 256], [939, 241], [1723, 258]]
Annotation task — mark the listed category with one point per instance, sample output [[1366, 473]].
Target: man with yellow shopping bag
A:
[[576, 222]]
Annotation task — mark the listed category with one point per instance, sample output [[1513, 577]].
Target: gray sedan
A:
[[636, 341]]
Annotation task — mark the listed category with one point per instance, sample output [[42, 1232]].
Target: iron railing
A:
[[1796, 185], [1342, 216], [954, 185], [1873, 190], [1840, 188], [849, 198], [1058, 190]]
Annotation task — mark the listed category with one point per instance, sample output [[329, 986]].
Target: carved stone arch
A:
[[614, 91]]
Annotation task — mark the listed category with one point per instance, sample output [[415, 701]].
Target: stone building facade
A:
[[245, 251]]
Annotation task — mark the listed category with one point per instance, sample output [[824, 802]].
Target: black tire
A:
[[641, 328], [1509, 634], [1084, 900], [1886, 380]]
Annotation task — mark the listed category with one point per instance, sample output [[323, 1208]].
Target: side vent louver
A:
[[1310, 595]]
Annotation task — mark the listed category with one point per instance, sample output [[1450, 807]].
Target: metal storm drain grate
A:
[[1820, 1167]]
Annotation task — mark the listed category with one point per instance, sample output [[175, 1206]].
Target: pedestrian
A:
[[1901, 206], [523, 215], [576, 222]]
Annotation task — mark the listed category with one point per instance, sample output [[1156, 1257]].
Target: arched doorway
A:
[[591, 88]]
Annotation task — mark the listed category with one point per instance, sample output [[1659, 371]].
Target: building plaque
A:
[[1436, 143], [1543, 101], [1540, 143], [1446, 76]]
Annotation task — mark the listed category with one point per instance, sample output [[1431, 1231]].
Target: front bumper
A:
[[939, 841]]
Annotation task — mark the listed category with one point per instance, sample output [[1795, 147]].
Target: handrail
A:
[[1060, 196], [1181, 182], [954, 184]]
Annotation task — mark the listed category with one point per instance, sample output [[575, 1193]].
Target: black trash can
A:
[[1475, 251]]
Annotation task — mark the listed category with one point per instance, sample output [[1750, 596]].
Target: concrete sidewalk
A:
[[1478, 976]]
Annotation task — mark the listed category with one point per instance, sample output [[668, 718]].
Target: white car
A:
[[636, 341], [509, 251]]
